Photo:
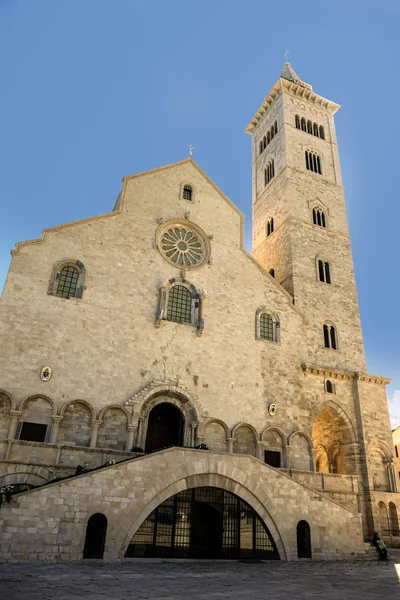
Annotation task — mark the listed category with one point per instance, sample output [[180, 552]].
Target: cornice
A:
[[342, 374], [295, 90]]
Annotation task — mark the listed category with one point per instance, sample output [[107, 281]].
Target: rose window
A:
[[183, 245]]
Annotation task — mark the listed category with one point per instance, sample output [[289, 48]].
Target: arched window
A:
[[272, 133], [297, 121], [324, 273], [67, 282], [268, 138], [267, 325], [383, 519], [187, 192], [272, 272], [330, 337], [313, 162], [321, 132], [329, 387], [275, 128], [95, 539], [269, 172], [270, 226], [303, 124], [180, 302], [318, 216], [261, 147], [309, 127], [264, 142], [67, 279], [393, 520], [315, 130], [303, 540], [179, 307]]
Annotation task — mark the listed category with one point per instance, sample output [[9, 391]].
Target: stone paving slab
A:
[[201, 581]]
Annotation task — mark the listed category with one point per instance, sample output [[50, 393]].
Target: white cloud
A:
[[394, 409]]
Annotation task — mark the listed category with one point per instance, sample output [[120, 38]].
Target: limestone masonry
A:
[[229, 389]]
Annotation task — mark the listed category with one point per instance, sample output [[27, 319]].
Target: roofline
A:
[[296, 90], [182, 162]]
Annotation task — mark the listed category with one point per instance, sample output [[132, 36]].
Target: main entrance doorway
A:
[[203, 522], [165, 427]]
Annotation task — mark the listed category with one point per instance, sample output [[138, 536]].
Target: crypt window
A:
[[270, 226], [313, 162], [33, 432], [267, 326], [272, 272], [67, 279], [324, 272], [318, 216], [269, 171], [330, 336], [187, 192]]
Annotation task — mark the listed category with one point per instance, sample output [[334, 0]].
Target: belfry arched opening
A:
[[204, 522], [165, 427]]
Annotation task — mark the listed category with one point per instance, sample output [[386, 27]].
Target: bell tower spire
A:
[[300, 230]]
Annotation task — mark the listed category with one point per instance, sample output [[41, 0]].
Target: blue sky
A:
[[93, 90]]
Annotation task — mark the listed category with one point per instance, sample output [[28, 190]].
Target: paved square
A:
[[198, 581]]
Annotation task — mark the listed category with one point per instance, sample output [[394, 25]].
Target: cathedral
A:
[[165, 393]]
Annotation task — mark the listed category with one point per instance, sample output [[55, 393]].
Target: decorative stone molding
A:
[[159, 391], [339, 374]]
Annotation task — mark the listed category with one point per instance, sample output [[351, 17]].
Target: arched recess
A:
[[76, 423], [204, 480], [27, 476], [245, 439], [273, 445], [393, 519], [300, 457], [5, 414], [36, 419], [379, 455], [216, 434], [333, 433], [180, 401], [113, 428], [321, 459], [383, 519]]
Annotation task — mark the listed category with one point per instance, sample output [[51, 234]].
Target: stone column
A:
[[95, 431], [288, 456], [260, 450], [230, 444], [313, 463], [15, 417], [131, 436], [54, 430], [192, 442]]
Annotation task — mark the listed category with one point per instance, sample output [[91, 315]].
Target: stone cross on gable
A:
[[191, 148], [286, 55]]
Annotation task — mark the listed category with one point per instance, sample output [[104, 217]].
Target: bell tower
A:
[[300, 230]]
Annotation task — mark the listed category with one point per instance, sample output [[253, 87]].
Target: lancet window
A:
[[313, 162], [309, 127], [269, 171]]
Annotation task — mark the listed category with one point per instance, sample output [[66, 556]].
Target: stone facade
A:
[[116, 352]]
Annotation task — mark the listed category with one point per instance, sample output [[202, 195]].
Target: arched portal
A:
[[203, 522], [95, 536], [165, 427], [333, 440], [303, 540]]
